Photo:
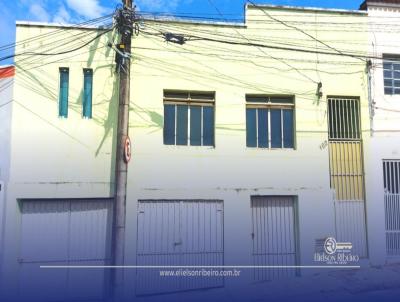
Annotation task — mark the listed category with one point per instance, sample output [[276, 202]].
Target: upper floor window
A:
[[344, 118], [63, 94], [189, 118], [270, 122], [391, 74], [87, 92]]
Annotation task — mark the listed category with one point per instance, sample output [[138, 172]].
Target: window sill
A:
[[189, 147], [270, 149]]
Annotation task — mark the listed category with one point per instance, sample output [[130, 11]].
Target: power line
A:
[[345, 25], [216, 33], [57, 53], [229, 56], [64, 43], [57, 31], [191, 37], [306, 13], [284, 62], [296, 28]]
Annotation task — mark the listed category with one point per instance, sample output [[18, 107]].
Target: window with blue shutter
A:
[[87, 93], [63, 94], [189, 118], [269, 122]]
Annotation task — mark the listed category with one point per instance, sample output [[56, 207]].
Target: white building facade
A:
[[383, 180], [245, 152], [6, 98]]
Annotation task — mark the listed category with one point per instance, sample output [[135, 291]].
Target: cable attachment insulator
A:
[[174, 38], [319, 93]]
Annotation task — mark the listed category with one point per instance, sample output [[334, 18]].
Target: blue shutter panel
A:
[[87, 93], [195, 125], [63, 95], [288, 128], [208, 126], [262, 128], [276, 128], [169, 124], [251, 127], [182, 125]]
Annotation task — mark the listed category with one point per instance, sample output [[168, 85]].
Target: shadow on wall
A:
[[46, 87], [110, 128], [151, 119]]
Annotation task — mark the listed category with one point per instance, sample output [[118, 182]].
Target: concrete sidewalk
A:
[[365, 284], [380, 284]]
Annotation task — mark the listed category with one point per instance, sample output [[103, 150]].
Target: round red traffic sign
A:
[[127, 150]]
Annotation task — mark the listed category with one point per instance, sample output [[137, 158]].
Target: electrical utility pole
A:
[[124, 22]]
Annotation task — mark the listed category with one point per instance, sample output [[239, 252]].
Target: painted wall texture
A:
[[385, 143], [54, 157], [74, 157], [6, 89]]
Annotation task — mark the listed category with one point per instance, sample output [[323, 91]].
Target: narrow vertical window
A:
[[87, 93], [63, 94]]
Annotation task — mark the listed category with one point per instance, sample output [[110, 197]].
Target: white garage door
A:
[[178, 233], [64, 232], [274, 236], [391, 182]]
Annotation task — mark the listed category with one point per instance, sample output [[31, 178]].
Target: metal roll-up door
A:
[[274, 236], [391, 181], [64, 233], [178, 233]]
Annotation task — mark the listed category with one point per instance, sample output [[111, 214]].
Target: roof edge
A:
[[305, 8], [57, 25], [196, 22]]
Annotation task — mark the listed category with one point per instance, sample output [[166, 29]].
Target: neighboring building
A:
[[6, 96], [6, 89], [242, 154], [383, 181]]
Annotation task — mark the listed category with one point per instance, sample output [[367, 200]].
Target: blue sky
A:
[[76, 11]]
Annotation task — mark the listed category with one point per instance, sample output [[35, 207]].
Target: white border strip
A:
[[193, 267]]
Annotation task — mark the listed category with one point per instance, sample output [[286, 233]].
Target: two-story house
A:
[[248, 147]]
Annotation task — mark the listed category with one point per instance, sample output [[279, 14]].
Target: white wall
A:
[[6, 93], [68, 158], [385, 140], [231, 171]]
